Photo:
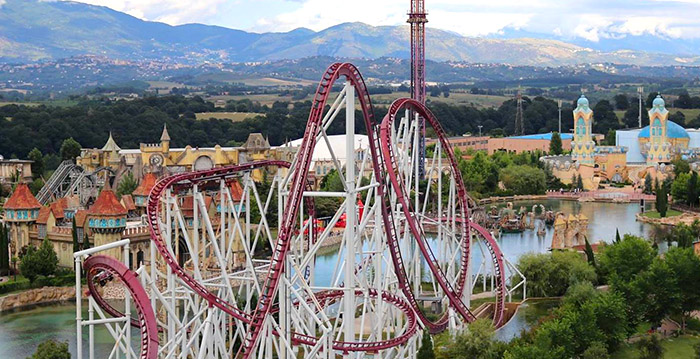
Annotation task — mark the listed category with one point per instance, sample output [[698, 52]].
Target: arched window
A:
[[581, 127], [656, 129]]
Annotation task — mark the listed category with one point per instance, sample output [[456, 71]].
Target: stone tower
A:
[[582, 147], [659, 148], [21, 212], [107, 220]]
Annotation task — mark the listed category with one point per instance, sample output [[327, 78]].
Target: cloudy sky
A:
[[588, 19]]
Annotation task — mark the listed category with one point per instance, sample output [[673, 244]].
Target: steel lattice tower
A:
[[417, 17], [519, 121]]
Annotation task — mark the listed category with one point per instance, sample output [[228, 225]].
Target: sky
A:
[[592, 20]]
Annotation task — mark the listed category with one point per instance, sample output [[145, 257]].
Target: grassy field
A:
[[689, 113], [455, 98], [655, 214], [233, 116], [676, 348], [164, 84]]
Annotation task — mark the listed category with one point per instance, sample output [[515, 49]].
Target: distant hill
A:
[[33, 30]]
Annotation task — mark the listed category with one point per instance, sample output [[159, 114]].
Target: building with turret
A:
[[21, 213], [162, 159], [638, 152]]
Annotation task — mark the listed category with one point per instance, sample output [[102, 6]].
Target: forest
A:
[[23, 128]]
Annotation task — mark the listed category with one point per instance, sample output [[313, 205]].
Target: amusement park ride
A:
[[230, 285]]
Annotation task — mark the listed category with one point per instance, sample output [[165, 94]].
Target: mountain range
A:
[[34, 30]]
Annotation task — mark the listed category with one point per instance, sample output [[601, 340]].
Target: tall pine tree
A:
[[426, 347]]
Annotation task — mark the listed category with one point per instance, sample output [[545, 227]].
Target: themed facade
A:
[[636, 154]]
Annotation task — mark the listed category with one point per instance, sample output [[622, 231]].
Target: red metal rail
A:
[[383, 164], [146, 318]]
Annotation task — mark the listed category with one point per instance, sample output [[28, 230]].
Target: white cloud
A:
[[589, 19]]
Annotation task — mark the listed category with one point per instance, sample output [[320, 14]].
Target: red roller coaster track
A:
[[146, 317], [386, 175]]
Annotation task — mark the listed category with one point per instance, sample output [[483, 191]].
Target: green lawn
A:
[[676, 348], [233, 116], [655, 214], [689, 113]]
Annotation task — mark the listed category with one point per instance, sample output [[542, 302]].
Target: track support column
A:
[[350, 203]]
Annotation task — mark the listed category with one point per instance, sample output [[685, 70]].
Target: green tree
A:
[[693, 189], [631, 117], [426, 347], [38, 164], [36, 186], [650, 347], [74, 233], [604, 117], [477, 341], [51, 349], [30, 265], [86, 241], [685, 266], [679, 188], [523, 179], [610, 138], [622, 102], [555, 146], [627, 258], [127, 185], [659, 289], [579, 183], [596, 350], [647, 183], [4, 249], [610, 310], [590, 256], [552, 274], [617, 235], [661, 201], [70, 149], [680, 166]]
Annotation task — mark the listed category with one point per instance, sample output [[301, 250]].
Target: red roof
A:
[[22, 198], [187, 206], [107, 204], [58, 207], [236, 190], [43, 217], [147, 183], [80, 217], [128, 202]]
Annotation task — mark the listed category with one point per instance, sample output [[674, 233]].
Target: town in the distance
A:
[[304, 179]]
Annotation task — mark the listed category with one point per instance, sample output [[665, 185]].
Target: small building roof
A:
[[44, 214], [147, 182], [107, 204], [22, 198], [58, 207], [236, 190], [111, 145], [128, 202], [80, 217], [165, 136]]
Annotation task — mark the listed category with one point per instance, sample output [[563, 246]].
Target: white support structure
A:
[[222, 240]]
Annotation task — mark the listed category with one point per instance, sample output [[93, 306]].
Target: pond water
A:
[[22, 331], [528, 314]]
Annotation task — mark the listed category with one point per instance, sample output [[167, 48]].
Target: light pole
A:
[[480, 126], [640, 91], [559, 103]]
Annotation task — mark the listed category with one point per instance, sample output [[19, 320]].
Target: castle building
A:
[[161, 159], [569, 232], [21, 213], [638, 152], [107, 220]]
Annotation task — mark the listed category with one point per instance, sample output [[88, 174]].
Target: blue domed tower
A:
[[658, 149], [582, 146]]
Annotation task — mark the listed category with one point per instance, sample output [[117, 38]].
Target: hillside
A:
[[33, 30]]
